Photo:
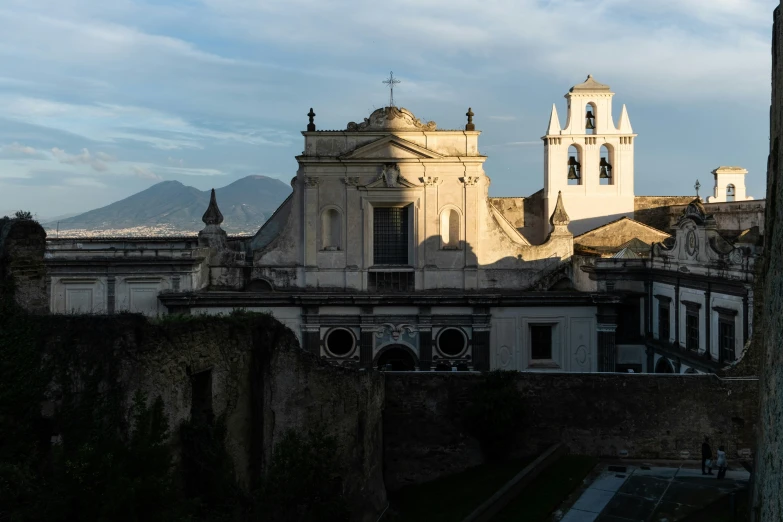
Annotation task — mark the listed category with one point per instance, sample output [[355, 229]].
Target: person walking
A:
[[720, 462], [706, 457]]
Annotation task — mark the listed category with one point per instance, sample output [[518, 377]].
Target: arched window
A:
[[730, 192], [590, 112], [331, 236], [449, 229], [605, 176], [574, 165]]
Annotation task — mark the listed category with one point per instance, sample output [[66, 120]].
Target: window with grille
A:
[[390, 236], [726, 338], [692, 330], [663, 322]]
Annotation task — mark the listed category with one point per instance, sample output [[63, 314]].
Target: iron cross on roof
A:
[[391, 81]]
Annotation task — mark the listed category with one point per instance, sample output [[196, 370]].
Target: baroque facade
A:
[[389, 253]]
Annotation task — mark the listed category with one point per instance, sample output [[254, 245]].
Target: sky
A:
[[101, 99]]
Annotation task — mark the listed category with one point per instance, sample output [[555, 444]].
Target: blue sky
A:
[[100, 99]]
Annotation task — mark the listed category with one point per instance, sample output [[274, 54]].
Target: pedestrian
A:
[[706, 457], [720, 461]]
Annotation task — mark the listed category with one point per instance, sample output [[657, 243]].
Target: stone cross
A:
[[391, 81]]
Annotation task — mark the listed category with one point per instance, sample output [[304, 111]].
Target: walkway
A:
[[642, 493]]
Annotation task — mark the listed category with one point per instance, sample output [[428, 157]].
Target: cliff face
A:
[[767, 503]]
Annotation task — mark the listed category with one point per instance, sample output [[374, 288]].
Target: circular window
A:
[[452, 341], [340, 342]]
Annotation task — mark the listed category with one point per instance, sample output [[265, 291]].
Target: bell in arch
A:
[[573, 168], [589, 120], [605, 171]]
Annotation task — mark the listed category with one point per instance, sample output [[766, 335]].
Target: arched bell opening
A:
[[605, 176], [396, 358], [574, 165], [731, 193], [590, 113]]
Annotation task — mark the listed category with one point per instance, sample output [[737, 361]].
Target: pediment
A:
[[391, 147], [389, 177]]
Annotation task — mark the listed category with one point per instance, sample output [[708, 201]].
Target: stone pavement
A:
[[638, 492]]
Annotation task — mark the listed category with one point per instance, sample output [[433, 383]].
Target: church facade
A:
[[389, 253]]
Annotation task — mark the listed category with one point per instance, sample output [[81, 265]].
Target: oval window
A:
[[340, 342], [452, 341]]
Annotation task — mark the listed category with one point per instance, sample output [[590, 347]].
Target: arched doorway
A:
[[400, 358], [663, 366]]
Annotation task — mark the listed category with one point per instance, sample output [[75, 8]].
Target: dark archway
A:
[[663, 366], [400, 358], [259, 285]]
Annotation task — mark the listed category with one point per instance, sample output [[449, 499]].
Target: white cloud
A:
[[97, 162], [17, 149], [144, 173], [84, 182]]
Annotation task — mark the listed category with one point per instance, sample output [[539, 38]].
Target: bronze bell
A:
[[589, 120], [605, 171], [573, 167]]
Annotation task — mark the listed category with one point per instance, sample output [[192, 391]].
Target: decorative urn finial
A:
[[311, 125], [559, 216], [470, 126], [212, 216]]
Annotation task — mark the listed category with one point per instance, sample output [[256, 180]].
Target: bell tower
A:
[[590, 161]]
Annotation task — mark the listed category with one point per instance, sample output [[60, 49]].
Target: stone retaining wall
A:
[[633, 415]]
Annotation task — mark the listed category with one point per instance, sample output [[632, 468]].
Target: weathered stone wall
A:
[[730, 217], [22, 270], [767, 503], [649, 416], [655, 210], [262, 381]]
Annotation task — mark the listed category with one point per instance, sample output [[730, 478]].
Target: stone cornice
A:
[[316, 298]]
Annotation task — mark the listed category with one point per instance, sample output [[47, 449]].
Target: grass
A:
[[454, 497], [547, 491]]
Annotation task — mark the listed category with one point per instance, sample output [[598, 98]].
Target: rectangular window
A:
[[663, 322], [726, 339], [540, 341], [628, 329], [390, 236], [201, 395], [692, 330]]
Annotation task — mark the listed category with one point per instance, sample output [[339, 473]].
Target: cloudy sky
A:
[[100, 99]]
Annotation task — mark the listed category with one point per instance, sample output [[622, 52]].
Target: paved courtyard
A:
[[648, 493]]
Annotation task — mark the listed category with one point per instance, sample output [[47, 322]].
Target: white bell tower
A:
[[590, 161]]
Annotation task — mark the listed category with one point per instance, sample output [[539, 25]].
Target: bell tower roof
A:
[[588, 86]]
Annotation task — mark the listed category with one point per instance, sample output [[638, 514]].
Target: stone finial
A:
[[311, 125], [470, 126], [559, 217], [212, 216]]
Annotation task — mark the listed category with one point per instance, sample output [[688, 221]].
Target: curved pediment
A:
[[392, 118]]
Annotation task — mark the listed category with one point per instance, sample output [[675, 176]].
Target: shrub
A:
[[301, 483], [495, 414]]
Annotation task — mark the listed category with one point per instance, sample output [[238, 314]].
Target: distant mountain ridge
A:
[[170, 206]]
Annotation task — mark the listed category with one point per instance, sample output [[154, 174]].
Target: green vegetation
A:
[[454, 497], [495, 415], [302, 483], [548, 490], [114, 461]]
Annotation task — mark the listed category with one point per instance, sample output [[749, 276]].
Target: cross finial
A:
[[311, 125], [697, 186], [470, 126], [391, 82]]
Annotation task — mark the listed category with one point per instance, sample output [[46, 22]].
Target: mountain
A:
[[170, 207]]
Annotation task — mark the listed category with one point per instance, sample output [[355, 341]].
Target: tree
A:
[[23, 214]]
